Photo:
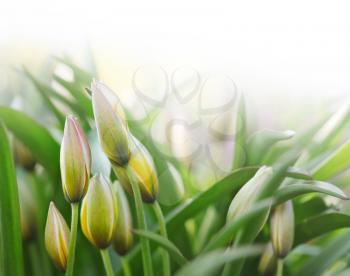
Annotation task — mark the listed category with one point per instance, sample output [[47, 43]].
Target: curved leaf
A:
[[37, 139], [165, 243], [208, 263], [336, 249], [335, 163], [293, 190], [317, 226], [261, 141], [11, 259]]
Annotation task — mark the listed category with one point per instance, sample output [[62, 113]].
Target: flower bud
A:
[[27, 211], [142, 170], [247, 195], [123, 238], [111, 124], [23, 156], [268, 261], [57, 237], [282, 229], [99, 212], [75, 161]]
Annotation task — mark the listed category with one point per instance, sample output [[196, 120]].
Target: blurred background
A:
[[285, 57]]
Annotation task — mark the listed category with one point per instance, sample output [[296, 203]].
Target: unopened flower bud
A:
[[142, 170], [57, 237], [282, 229], [111, 124], [99, 212], [75, 161], [268, 261], [27, 211], [23, 156], [247, 195], [123, 237]]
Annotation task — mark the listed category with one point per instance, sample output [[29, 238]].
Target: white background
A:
[[289, 53]]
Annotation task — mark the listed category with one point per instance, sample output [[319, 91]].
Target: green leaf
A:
[[227, 233], [293, 190], [329, 254], [229, 184], [316, 226], [260, 143], [44, 92], [298, 173], [335, 163], [240, 134], [208, 263], [165, 243], [10, 227], [37, 139]]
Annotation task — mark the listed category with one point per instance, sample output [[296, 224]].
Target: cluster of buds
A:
[[101, 221], [126, 154]]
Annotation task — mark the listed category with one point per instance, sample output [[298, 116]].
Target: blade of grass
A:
[[37, 139], [208, 263], [316, 226], [10, 228], [330, 253], [165, 243]]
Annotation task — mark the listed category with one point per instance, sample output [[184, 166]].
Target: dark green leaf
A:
[[37, 139], [10, 227]]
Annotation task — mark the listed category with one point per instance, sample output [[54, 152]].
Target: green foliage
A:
[[306, 169]]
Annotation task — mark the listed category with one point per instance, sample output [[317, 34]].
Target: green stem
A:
[[126, 267], [145, 247], [72, 238], [279, 267], [34, 260], [107, 262], [164, 233]]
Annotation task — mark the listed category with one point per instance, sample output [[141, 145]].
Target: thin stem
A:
[[72, 239], [164, 233], [145, 247], [279, 267], [126, 266], [107, 262]]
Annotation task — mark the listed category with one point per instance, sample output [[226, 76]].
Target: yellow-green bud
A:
[[23, 156], [282, 229], [268, 261], [57, 237], [142, 170], [111, 124], [27, 211], [123, 237], [99, 212], [75, 161], [247, 195]]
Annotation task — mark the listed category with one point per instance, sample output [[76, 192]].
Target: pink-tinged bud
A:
[[111, 124], [57, 237], [99, 212], [75, 161]]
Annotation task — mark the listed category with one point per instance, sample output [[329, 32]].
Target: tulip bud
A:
[[99, 212], [27, 211], [282, 229], [142, 170], [57, 237], [75, 161], [23, 156], [268, 261], [247, 195], [111, 124], [123, 238]]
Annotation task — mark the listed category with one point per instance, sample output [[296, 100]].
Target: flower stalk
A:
[[106, 262], [73, 238]]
